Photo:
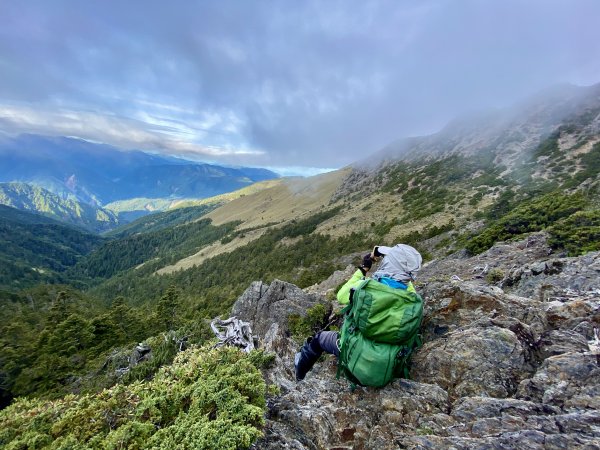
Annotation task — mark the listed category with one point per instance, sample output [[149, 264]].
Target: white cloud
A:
[[150, 133], [299, 171]]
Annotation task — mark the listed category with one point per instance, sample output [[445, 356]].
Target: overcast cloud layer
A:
[[280, 83]]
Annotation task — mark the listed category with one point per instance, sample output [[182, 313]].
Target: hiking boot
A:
[[306, 358]]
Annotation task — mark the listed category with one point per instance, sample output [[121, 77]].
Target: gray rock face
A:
[[267, 308], [505, 365], [264, 305], [570, 381], [475, 362], [141, 352]]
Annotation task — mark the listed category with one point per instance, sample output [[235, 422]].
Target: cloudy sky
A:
[[282, 84]]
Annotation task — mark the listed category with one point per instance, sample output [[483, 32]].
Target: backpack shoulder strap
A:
[[362, 283], [344, 292]]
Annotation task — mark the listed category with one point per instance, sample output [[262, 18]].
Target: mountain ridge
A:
[[99, 173], [540, 114], [32, 198]]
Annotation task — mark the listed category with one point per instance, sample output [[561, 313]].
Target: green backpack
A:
[[379, 333]]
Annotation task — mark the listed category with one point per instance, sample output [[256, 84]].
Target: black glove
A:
[[367, 261]]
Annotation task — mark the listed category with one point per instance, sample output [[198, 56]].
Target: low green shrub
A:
[[208, 398], [303, 327], [548, 147], [494, 275], [529, 216], [577, 234], [590, 167]]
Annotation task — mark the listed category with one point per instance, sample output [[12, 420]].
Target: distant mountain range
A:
[[99, 174], [35, 199]]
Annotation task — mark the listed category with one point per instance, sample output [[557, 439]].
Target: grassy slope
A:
[[287, 199], [150, 205], [230, 196]]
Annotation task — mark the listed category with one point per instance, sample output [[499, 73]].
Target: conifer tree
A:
[[59, 310], [167, 310]]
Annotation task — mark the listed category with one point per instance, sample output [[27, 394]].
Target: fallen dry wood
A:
[[234, 332]]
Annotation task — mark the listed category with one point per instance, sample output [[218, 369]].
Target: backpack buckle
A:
[[403, 353]]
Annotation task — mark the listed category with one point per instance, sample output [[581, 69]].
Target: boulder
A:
[[455, 306], [570, 381], [557, 342], [268, 308], [264, 305], [486, 361], [141, 352]]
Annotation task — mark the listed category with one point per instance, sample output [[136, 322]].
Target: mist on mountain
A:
[[486, 131]]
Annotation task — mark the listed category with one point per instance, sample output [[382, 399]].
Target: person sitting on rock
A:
[[397, 270]]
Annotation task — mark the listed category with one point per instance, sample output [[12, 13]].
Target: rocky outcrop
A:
[[507, 361], [265, 306], [268, 308], [141, 352]]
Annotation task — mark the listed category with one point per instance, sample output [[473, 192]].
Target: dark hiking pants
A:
[[328, 342]]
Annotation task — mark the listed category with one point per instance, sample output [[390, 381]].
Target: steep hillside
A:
[[287, 200], [36, 199], [291, 199], [288, 251], [100, 174], [159, 246], [439, 190], [451, 180], [36, 249], [162, 220]]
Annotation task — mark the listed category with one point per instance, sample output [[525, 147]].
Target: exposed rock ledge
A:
[[503, 366]]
